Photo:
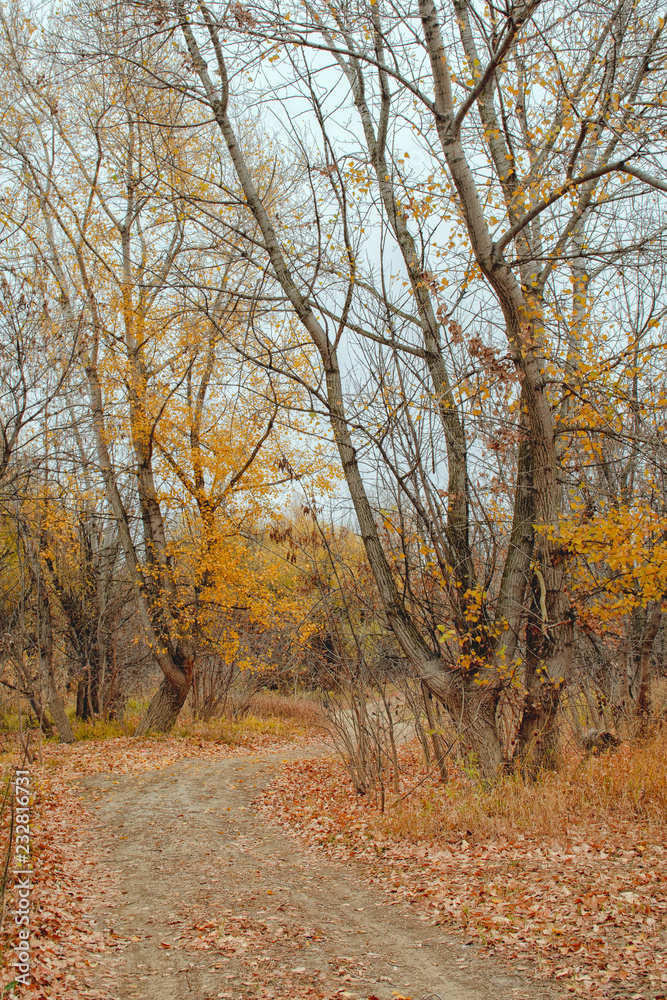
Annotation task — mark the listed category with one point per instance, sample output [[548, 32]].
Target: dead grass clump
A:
[[462, 809], [630, 786], [242, 730], [301, 709], [103, 729]]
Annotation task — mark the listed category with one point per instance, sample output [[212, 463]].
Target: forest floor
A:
[[175, 868]]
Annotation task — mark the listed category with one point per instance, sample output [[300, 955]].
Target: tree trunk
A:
[[56, 707], [88, 691], [81, 698], [177, 679], [25, 687], [45, 647], [436, 738], [537, 737], [164, 707], [53, 699], [522, 310], [643, 705]]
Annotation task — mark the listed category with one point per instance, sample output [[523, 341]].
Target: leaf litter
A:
[[587, 910]]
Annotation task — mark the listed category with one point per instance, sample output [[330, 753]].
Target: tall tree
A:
[[531, 140], [99, 161]]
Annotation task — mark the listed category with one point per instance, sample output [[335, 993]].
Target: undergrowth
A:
[[229, 730], [302, 709], [630, 785], [269, 714]]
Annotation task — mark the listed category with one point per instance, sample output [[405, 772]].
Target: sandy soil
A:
[[214, 902]]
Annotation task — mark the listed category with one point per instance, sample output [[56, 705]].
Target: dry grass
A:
[[301, 709], [270, 716], [237, 732], [628, 786]]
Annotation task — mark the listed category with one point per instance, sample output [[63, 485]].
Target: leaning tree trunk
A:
[[166, 703], [477, 716]]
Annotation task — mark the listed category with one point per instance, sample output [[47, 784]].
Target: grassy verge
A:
[[630, 785]]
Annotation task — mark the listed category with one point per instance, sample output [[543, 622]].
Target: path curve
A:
[[276, 920]]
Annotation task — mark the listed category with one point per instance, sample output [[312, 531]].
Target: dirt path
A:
[[274, 920]]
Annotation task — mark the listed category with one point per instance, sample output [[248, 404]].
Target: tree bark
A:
[[88, 694], [45, 647], [436, 738], [643, 704], [164, 708], [53, 699], [25, 687]]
